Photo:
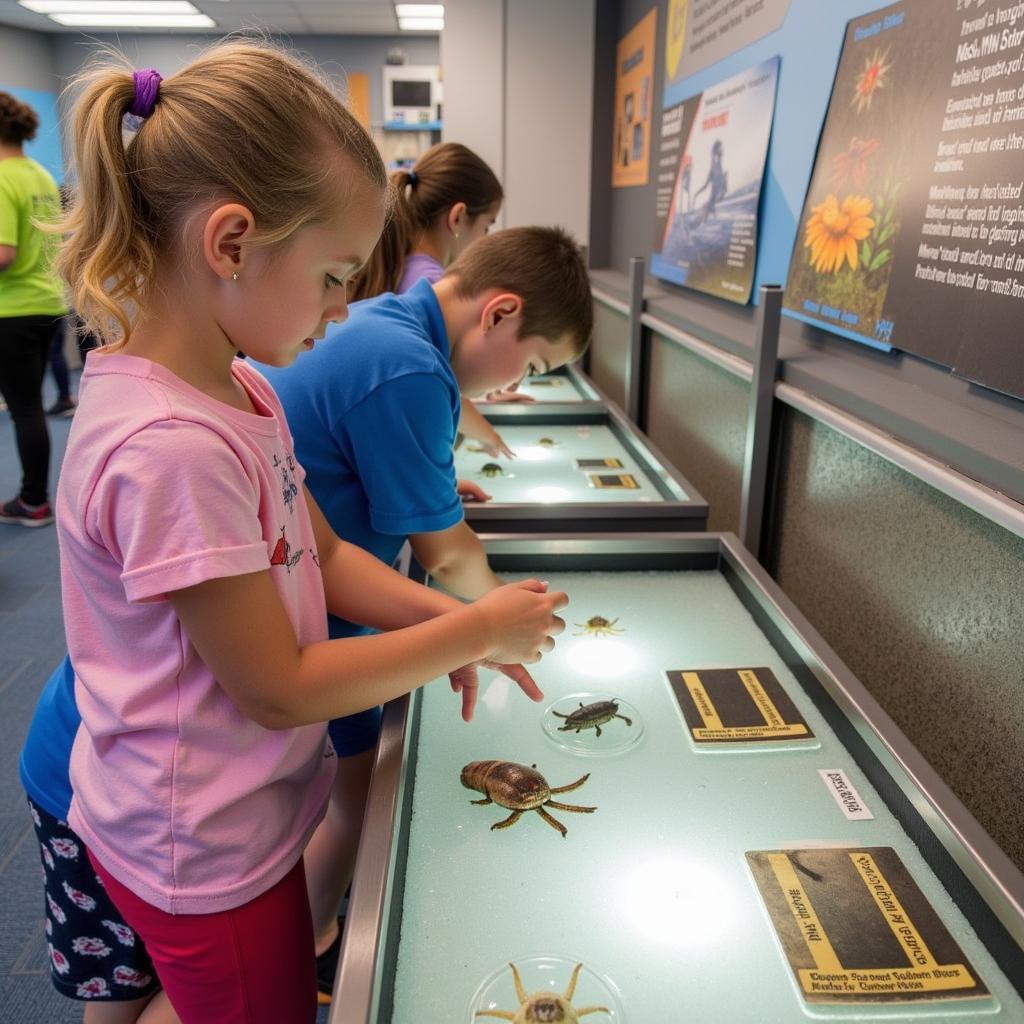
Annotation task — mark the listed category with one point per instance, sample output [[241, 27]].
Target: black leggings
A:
[[24, 344]]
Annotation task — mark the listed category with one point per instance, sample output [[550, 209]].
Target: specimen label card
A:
[[737, 705], [614, 481], [856, 928]]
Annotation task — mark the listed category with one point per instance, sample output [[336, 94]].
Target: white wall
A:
[[518, 79], [26, 59], [473, 66]]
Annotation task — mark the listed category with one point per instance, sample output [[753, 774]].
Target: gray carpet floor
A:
[[31, 645]]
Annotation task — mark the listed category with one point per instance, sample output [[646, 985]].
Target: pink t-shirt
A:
[[185, 800]]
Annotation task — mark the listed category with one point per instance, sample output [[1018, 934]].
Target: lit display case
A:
[[776, 856], [566, 384], [577, 467]]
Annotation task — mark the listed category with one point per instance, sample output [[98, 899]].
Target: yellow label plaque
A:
[[833, 908], [737, 705], [613, 481]]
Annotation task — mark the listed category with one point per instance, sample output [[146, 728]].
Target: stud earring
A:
[[234, 276]]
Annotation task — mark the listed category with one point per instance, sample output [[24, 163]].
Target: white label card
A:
[[845, 795]]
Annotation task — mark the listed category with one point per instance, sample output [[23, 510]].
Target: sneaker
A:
[[62, 407], [16, 511], [327, 968]]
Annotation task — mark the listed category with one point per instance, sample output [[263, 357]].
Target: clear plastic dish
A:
[[544, 980], [578, 734]]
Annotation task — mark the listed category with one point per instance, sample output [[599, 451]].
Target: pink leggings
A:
[[254, 964]]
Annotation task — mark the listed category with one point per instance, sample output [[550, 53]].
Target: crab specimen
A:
[[544, 1006], [598, 625], [547, 442], [491, 469], [591, 716], [519, 789]]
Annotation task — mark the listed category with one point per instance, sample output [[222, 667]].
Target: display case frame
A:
[[986, 886], [681, 508]]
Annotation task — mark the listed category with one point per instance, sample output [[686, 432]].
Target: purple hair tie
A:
[[413, 178], [147, 89]]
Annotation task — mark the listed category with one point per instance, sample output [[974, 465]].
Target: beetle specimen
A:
[[544, 1006], [598, 626], [491, 469], [591, 716], [547, 442], [519, 789]]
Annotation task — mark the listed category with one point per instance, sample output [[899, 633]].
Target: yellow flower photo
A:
[[834, 231]]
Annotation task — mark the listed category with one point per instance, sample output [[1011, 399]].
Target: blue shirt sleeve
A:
[[400, 439]]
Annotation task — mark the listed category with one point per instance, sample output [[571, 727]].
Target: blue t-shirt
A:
[[47, 751], [374, 411]]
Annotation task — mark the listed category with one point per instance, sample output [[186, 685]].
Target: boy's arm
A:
[[383, 598], [456, 559], [473, 424]]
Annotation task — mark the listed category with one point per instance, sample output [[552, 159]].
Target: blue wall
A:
[[46, 147]]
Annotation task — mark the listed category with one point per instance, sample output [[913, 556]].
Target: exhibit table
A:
[[749, 838], [576, 468]]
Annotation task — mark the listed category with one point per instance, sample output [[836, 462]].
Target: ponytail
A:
[[444, 175], [111, 252]]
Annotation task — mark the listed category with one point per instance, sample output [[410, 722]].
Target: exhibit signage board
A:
[[701, 32], [634, 85], [710, 169], [911, 229]]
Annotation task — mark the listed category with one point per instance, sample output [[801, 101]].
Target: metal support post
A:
[[759, 419], [635, 355]]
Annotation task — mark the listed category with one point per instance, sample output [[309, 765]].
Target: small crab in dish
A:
[[544, 1006], [491, 469], [591, 716], [519, 789], [598, 625], [547, 442]]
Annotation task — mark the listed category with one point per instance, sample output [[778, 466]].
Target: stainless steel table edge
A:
[[988, 868], [990, 871]]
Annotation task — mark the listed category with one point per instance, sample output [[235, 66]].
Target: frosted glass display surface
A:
[[542, 474], [650, 891], [552, 387]]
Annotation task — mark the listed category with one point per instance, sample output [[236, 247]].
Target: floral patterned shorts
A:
[[93, 953]]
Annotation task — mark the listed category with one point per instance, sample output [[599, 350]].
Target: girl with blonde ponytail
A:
[[222, 209]]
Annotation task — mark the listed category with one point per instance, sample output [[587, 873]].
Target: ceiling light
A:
[[109, 6], [134, 20], [419, 10], [421, 24]]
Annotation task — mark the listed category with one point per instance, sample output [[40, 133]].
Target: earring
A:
[[234, 276]]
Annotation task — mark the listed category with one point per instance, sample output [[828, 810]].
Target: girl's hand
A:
[[466, 681], [471, 492], [520, 621]]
